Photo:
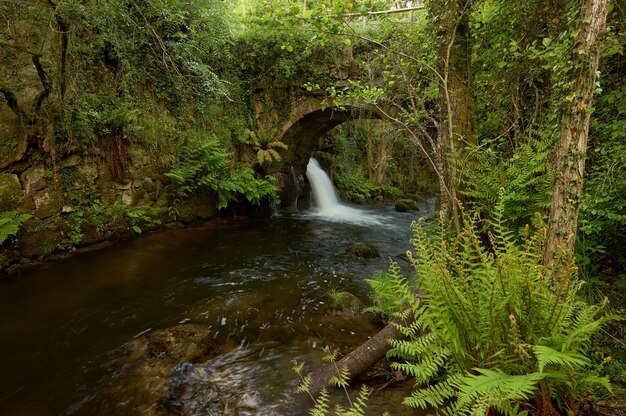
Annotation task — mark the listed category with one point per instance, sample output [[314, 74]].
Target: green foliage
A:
[[10, 222], [205, 165], [367, 158], [525, 174], [75, 235], [166, 46], [600, 249], [355, 186], [492, 332], [391, 291]]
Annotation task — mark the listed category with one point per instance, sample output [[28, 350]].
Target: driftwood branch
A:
[[382, 12], [359, 360], [365, 355]]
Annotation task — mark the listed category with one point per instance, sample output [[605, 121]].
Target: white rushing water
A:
[[327, 203]]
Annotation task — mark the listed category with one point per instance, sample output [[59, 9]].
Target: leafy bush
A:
[[356, 187], [526, 175], [205, 166], [10, 222], [493, 332], [602, 221]]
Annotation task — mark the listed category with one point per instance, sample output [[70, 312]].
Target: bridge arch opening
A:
[[313, 130], [305, 130]]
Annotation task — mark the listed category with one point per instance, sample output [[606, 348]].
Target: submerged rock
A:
[[405, 205], [364, 250], [347, 303], [149, 360]]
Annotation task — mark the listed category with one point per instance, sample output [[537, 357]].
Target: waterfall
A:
[[323, 189], [326, 201]]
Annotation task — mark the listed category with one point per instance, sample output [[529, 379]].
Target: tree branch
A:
[[20, 48], [45, 82], [382, 12]]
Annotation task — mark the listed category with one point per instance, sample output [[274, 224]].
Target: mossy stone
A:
[[10, 192], [364, 250], [405, 205]]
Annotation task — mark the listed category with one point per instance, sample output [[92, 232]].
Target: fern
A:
[[491, 331], [524, 174], [322, 404], [205, 166], [10, 222], [391, 291], [323, 400]]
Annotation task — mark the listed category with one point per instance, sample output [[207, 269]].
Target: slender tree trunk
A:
[[63, 33], [570, 158], [383, 148], [456, 98]]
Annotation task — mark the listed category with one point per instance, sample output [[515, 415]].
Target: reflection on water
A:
[[257, 283]]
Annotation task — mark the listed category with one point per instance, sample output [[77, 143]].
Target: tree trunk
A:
[[570, 158], [456, 100], [383, 148]]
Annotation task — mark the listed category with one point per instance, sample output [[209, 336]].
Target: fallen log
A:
[[359, 360]]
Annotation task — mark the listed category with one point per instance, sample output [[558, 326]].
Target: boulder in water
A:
[[405, 205], [347, 303], [364, 250]]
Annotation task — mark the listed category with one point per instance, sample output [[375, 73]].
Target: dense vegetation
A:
[[497, 106]]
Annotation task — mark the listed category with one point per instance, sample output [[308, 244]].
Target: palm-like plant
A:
[[266, 145]]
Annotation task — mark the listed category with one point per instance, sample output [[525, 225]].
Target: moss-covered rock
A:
[[34, 179], [10, 192], [346, 302], [364, 250], [405, 205]]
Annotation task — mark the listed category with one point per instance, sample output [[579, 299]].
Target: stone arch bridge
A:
[[300, 119]]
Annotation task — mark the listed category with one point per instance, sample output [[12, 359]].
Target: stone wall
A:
[[75, 203]]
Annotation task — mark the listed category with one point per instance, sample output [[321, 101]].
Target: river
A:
[[261, 285]]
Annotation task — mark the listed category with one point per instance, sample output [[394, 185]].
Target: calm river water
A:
[[62, 326]]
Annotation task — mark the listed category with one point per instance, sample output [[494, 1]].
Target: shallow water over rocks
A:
[[98, 334]]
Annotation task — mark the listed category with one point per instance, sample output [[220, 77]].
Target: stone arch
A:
[[310, 120]]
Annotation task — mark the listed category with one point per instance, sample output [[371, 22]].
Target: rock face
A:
[[75, 202]]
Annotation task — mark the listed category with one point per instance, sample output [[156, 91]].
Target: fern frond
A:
[[342, 379], [434, 395], [331, 355], [359, 404], [587, 382], [497, 384], [546, 355], [305, 385], [322, 404]]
